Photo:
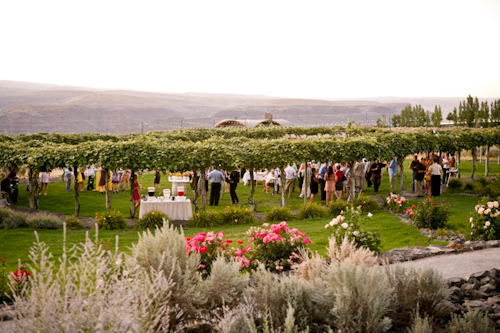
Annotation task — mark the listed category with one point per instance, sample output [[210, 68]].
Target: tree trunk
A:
[[252, 191], [203, 190], [481, 154], [352, 196], [77, 194], [498, 154], [401, 175], [33, 190], [106, 190], [282, 178], [474, 158], [487, 164], [195, 190], [305, 183]]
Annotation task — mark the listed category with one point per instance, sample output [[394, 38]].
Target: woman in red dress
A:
[[135, 197], [339, 183]]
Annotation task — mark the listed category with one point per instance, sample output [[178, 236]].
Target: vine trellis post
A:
[[77, 194]]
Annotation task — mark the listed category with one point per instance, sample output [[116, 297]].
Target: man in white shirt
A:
[[290, 174], [435, 171]]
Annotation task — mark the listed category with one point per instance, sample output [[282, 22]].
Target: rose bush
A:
[[395, 202], [429, 214], [348, 223], [276, 246], [485, 221]]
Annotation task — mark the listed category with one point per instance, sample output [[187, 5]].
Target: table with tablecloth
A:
[[176, 210]]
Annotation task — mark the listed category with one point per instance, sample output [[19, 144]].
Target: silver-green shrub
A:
[[423, 288], [421, 325], [11, 219], [359, 297], [93, 290], [473, 321], [44, 221]]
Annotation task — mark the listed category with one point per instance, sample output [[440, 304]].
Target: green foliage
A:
[[429, 214], [367, 204], [469, 187], [489, 187], [10, 219], [472, 321], [237, 216], [111, 220], [151, 220], [204, 219], [337, 206], [278, 214], [455, 185], [74, 223], [5, 292], [485, 221], [348, 224], [311, 210], [44, 221]]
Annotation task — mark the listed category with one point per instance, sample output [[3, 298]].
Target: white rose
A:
[[472, 225], [481, 211], [331, 223], [487, 211], [370, 215], [471, 220], [356, 233], [495, 204], [491, 204], [488, 223], [326, 226], [341, 218], [477, 207], [344, 225]]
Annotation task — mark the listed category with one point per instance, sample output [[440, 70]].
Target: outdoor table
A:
[[180, 210]]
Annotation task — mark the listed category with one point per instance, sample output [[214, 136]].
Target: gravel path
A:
[[460, 265]]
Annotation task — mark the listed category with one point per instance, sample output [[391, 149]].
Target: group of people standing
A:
[[428, 174]]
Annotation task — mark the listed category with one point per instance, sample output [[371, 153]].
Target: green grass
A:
[[15, 243]]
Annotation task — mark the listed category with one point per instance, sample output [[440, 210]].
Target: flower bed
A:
[[276, 246], [485, 221]]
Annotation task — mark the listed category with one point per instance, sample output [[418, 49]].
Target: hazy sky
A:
[[326, 49]]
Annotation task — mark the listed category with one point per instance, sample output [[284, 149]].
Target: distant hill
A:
[[38, 107]]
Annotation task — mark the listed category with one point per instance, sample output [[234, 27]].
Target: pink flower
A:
[[262, 235], [201, 266], [307, 240], [294, 231], [240, 241], [220, 235], [250, 239], [203, 249]]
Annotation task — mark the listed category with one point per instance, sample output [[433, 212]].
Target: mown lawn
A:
[[15, 243]]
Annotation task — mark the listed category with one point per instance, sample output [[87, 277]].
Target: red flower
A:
[[240, 241], [203, 249], [443, 217], [413, 206], [20, 275], [229, 241], [3, 260], [188, 238], [435, 204]]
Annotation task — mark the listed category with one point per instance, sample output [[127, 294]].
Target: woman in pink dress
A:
[[329, 184]]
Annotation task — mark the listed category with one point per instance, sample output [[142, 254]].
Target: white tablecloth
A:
[[176, 210]]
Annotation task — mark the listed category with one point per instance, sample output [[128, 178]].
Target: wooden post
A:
[[474, 158], [132, 193], [305, 185], [195, 188], [458, 164], [106, 190], [252, 190], [203, 190], [77, 194], [487, 164], [282, 181], [33, 190], [400, 162], [481, 154]]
